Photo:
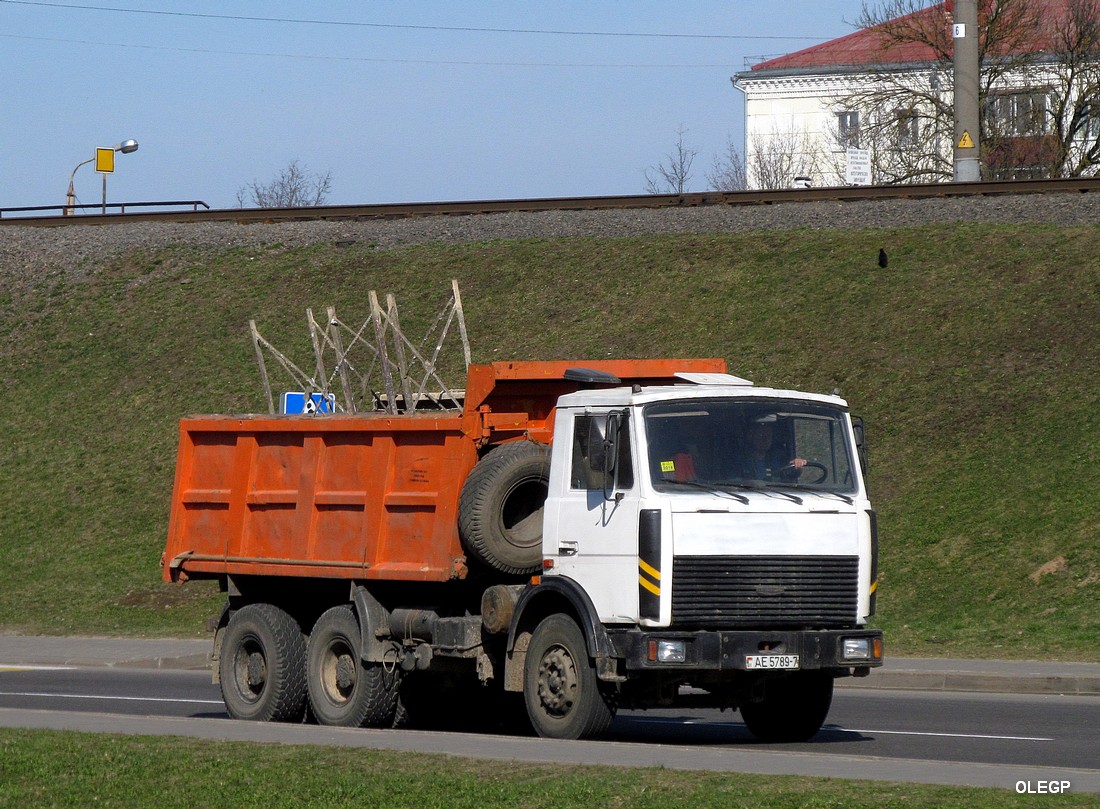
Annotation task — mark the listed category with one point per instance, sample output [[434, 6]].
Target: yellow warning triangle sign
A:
[[966, 142]]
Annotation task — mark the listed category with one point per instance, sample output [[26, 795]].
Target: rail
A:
[[459, 208], [67, 210]]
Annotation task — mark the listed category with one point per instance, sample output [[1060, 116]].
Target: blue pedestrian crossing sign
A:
[[295, 402]]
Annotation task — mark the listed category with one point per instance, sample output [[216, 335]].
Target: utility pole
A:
[[967, 122]]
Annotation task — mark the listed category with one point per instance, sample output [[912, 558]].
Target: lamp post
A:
[[126, 147]]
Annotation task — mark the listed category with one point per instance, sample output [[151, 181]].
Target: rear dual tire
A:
[[262, 665], [345, 691], [269, 673]]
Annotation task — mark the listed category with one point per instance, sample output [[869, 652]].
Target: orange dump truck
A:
[[578, 537]]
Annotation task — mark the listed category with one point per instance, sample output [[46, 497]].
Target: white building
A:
[[890, 97]]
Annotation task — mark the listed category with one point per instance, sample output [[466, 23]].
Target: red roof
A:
[[874, 46]]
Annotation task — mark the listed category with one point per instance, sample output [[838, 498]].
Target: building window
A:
[[1019, 144], [908, 126], [847, 129], [1018, 114], [1089, 128]]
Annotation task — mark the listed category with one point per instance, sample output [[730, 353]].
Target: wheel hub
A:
[[345, 673], [257, 671], [557, 681], [250, 671], [339, 672]]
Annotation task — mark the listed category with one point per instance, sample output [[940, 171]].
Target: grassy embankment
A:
[[973, 359], [45, 768]]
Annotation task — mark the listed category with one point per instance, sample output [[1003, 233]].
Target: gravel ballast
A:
[[67, 249]]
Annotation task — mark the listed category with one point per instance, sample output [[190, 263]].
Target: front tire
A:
[[793, 709], [262, 665], [564, 698], [345, 691]]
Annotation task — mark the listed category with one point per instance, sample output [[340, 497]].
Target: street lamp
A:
[[126, 147]]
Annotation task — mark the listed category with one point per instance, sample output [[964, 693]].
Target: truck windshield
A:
[[727, 443]]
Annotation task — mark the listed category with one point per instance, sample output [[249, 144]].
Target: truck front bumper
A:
[[743, 650]]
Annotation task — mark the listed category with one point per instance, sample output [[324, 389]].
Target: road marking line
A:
[[119, 698], [950, 735], [15, 667]]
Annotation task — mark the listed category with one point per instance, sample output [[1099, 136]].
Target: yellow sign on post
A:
[[105, 160], [966, 142]]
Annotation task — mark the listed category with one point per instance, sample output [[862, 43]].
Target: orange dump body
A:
[[369, 496]]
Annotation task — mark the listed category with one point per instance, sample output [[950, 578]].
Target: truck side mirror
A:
[[861, 443], [596, 446], [611, 457]]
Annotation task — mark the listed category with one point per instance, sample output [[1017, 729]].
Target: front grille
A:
[[725, 592]]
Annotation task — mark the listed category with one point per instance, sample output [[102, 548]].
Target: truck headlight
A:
[[671, 651], [667, 651], [857, 649]]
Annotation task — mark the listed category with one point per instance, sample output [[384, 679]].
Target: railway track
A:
[[474, 207]]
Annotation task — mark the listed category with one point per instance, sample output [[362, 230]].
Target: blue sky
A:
[[394, 99]]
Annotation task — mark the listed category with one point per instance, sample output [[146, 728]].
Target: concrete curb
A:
[[903, 679], [182, 662], [155, 653]]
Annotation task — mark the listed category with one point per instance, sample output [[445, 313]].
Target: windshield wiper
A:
[[759, 486], [812, 490], [713, 488], [788, 495]]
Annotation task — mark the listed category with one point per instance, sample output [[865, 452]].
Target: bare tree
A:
[[727, 172], [776, 159], [672, 175], [1071, 72], [1040, 81], [293, 187]]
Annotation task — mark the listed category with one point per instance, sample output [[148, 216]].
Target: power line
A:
[[376, 60], [354, 24]]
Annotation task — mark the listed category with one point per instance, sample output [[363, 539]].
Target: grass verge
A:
[[61, 769]]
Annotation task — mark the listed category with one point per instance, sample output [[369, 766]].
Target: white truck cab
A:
[[724, 537], [686, 452]]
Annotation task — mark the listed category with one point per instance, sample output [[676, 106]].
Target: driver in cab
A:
[[761, 459]]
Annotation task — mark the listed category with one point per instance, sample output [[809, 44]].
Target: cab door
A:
[[592, 527]]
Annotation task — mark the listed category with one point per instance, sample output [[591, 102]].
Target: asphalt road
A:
[[934, 737]]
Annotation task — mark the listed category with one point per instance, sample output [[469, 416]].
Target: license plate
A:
[[771, 661]]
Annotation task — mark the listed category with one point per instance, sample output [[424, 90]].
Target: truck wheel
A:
[[343, 690], [500, 510], [262, 665], [565, 699], [793, 708]]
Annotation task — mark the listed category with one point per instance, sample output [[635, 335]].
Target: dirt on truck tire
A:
[[500, 509]]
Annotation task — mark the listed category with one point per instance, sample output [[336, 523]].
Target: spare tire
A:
[[500, 509]]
